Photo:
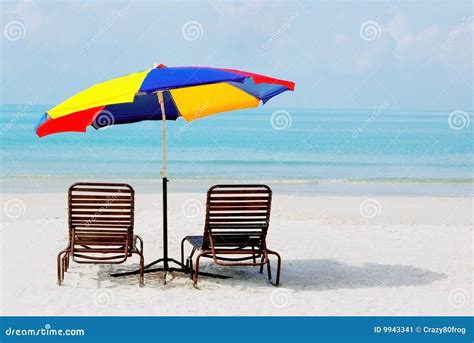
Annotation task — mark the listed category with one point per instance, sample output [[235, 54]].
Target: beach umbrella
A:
[[161, 93]]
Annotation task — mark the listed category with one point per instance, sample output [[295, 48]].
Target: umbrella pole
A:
[[164, 178]]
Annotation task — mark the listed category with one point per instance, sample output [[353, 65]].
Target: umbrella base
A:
[[166, 268]]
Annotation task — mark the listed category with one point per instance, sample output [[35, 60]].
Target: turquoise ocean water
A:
[[318, 150]]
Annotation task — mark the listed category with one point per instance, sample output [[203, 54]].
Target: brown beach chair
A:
[[235, 231], [100, 226]]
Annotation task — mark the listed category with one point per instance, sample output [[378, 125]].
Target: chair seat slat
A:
[[99, 226], [234, 220], [74, 197], [104, 206], [218, 204], [253, 215], [99, 219], [99, 250], [239, 198], [257, 226], [102, 190], [214, 208], [99, 202], [100, 212], [247, 192]]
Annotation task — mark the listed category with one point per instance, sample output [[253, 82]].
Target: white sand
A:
[[413, 258]]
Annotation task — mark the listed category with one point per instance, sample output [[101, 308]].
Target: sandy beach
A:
[[342, 255]]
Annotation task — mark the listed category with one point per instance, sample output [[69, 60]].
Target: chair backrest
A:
[[237, 216], [102, 215]]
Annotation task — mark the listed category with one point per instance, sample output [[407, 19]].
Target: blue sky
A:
[[409, 55]]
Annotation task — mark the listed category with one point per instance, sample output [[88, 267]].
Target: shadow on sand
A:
[[315, 275], [325, 274]]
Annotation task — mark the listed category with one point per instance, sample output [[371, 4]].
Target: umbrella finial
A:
[[156, 65]]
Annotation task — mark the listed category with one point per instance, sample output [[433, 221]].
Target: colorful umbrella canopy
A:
[[189, 92]]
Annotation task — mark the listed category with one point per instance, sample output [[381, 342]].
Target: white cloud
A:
[[30, 14], [412, 46]]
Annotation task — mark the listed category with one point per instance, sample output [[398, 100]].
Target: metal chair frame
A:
[[101, 223], [237, 220]]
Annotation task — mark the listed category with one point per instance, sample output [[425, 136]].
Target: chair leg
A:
[[142, 267], [64, 266], [63, 271], [261, 263], [269, 270], [277, 281], [141, 281], [60, 266], [139, 251], [66, 260], [59, 270], [190, 259], [182, 250], [189, 266], [196, 272]]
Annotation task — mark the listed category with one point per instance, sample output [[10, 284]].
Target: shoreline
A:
[[461, 188]]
